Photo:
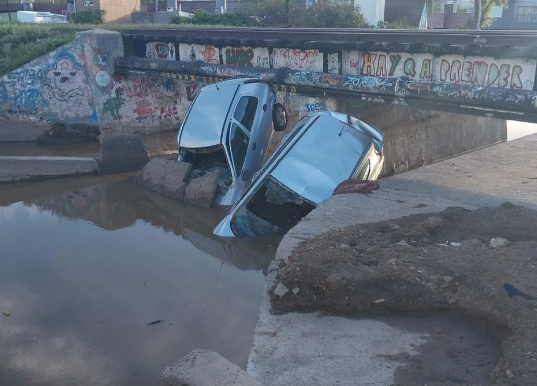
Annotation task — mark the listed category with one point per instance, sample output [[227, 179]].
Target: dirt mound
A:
[[444, 261]]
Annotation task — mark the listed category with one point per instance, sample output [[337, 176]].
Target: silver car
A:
[[228, 128], [323, 150]]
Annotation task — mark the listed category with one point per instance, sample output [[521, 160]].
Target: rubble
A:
[[498, 242]]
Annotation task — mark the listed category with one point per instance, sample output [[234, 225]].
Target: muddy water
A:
[[161, 143], [87, 263]]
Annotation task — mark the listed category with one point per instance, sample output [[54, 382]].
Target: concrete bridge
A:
[[433, 93]]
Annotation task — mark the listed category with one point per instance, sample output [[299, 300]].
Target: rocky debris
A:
[[281, 290], [201, 191], [164, 176], [122, 153], [418, 269], [498, 242], [205, 368]]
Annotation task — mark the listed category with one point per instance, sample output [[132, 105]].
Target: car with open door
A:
[[228, 128], [324, 149]]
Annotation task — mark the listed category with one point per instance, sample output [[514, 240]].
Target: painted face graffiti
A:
[[67, 91]]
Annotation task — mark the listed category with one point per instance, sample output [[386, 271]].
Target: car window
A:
[[238, 142], [245, 111]]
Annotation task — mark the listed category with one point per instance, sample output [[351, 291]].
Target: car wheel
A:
[[279, 117]]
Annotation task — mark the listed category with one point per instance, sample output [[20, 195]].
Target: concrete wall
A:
[[76, 86]]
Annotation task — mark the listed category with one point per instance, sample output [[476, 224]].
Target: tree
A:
[[482, 10]]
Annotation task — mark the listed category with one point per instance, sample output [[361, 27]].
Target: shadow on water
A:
[[88, 262]]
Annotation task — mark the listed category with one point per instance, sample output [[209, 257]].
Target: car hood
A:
[[323, 157], [206, 118]]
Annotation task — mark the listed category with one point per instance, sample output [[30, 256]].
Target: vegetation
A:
[[327, 13], [89, 17], [202, 17], [399, 24]]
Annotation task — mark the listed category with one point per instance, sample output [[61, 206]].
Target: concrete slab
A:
[[20, 131], [205, 368], [201, 191], [122, 153], [25, 168], [484, 178], [164, 176]]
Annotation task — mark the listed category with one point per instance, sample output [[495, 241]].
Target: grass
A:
[[21, 43]]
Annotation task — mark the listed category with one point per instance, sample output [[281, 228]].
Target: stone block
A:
[[205, 368], [165, 176], [122, 153], [201, 191]]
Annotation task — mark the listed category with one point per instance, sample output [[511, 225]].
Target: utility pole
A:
[[8, 12], [477, 14]]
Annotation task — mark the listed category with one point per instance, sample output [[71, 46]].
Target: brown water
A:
[[85, 265]]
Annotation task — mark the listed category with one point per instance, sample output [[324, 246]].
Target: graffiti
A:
[[318, 106], [114, 104], [239, 57], [143, 110], [194, 52], [157, 50], [396, 64], [26, 77], [191, 89], [26, 99], [333, 63], [246, 56], [4, 97], [67, 90], [168, 84], [309, 60], [102, 78], [482, 72]]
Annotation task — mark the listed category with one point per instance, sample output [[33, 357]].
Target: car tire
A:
[[279, 117]]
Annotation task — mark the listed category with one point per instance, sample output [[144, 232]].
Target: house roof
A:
[[409, 10]]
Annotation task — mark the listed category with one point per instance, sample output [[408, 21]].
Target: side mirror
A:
[[279, 117]]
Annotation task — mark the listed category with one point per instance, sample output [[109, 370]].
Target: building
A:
[[117, 11], [520, 14], [411, 12]]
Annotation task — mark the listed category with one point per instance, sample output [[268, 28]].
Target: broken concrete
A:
[[26, 168], [201, 191], [164, 176], [122, 153], [205, 368]]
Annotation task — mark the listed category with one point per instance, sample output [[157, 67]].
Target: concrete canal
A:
[[88, 263]]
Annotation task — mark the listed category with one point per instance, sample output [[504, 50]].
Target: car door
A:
[[240, 132]]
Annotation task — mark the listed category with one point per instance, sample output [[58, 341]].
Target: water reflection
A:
[[86, 263]]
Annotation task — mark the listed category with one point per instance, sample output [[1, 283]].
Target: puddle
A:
[[452, 351], [316, 349], [161, 143], [88, 262]]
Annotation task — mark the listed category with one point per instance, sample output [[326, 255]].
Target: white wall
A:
[[373, 11]]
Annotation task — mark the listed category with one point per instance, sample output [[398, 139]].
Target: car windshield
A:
[[273, 208]]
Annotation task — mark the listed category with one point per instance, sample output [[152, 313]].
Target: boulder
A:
[[122, 153], [164, 176], [201, 191]]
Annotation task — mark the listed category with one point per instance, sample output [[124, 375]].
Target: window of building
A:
[[526, 15]]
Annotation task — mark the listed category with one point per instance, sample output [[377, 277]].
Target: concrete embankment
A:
[[407, 266], [24, 168]]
